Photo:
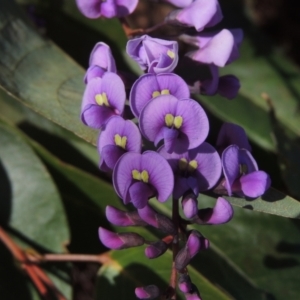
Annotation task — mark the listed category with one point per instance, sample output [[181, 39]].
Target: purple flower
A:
[[103, 98], [123, 218], [180, 3], [118, 137], [197, 170], [199, 14], [151, 85], [241, 173], [219, 48], [227, 85], [193, 294], [94, 9], [232, 134], [159, 56], [120, 241], [182, 124], [184, 283], [190, 205], [220, 214], [138, 177], [156, 249], [147, 292]]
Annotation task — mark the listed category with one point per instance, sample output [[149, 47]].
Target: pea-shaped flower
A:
[[103, 98], [156, 55], [94, 9], [138, 177], [182, 124], [118, 137], [196, 170], [150, 86], [241, 172]]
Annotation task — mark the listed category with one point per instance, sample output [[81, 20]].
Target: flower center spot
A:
[[158, 93], [101, 99], [171, 54], [186, 166], [140, 176], [171, 121], [120, 141], [243, 169]]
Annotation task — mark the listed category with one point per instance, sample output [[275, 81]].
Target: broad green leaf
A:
[[272, 202], [265, 247], [31, 206], [39, 74]]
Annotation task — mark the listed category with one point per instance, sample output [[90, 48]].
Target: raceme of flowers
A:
[[181, 163]]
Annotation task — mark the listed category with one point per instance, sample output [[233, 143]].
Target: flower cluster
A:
[[182, 164]]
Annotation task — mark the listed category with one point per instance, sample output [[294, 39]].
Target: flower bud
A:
[[123, 218], [221, 213], [194, 244], [120, 241], [189, 205], [157, 220], [147, 292], [193, 294], [184, 283], [156, 249]]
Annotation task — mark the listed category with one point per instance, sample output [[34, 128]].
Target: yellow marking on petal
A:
[[178, 120], [192, 165], [169, 119], [155, 94], [136, 175], [120, 141], [171, 54], [145, 176], [101, 99], [165, 92], [182, 164]]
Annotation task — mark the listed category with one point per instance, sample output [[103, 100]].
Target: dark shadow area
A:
[[13, 282], [273, 262], [248, 207], [124, 284], [61, 149], [289, 248], [5, 196], [227, 277]]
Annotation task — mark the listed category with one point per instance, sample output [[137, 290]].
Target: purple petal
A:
[[95, 116], [114, 88], [180, 3], [93, 72], [109, 156], [229, 86], [232, 134], [238, 35], [217, 51], [180, 186], [255, 184], [156, 249], [101, 56], [126, 7], [231, 166], [193, 244], [170, 140], [140, 193], [93, 88], [184, 283], [148, 292], [200, 14], [246, 158], [110, 239], [148, 214], [190, 205], [109, 8], [210, 86], [91, 9], [123, 218], [220, 214]]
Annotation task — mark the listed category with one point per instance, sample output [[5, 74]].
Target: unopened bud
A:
[[190, 205], [220, 214], [147, 292], [193, 294], [156, 249], [120, 241], [123, 218], [184, 283], [194, 244], [157, 220]]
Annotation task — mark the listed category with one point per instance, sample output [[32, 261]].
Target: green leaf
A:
[[31, 206], [39, 74], [272, 202]]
